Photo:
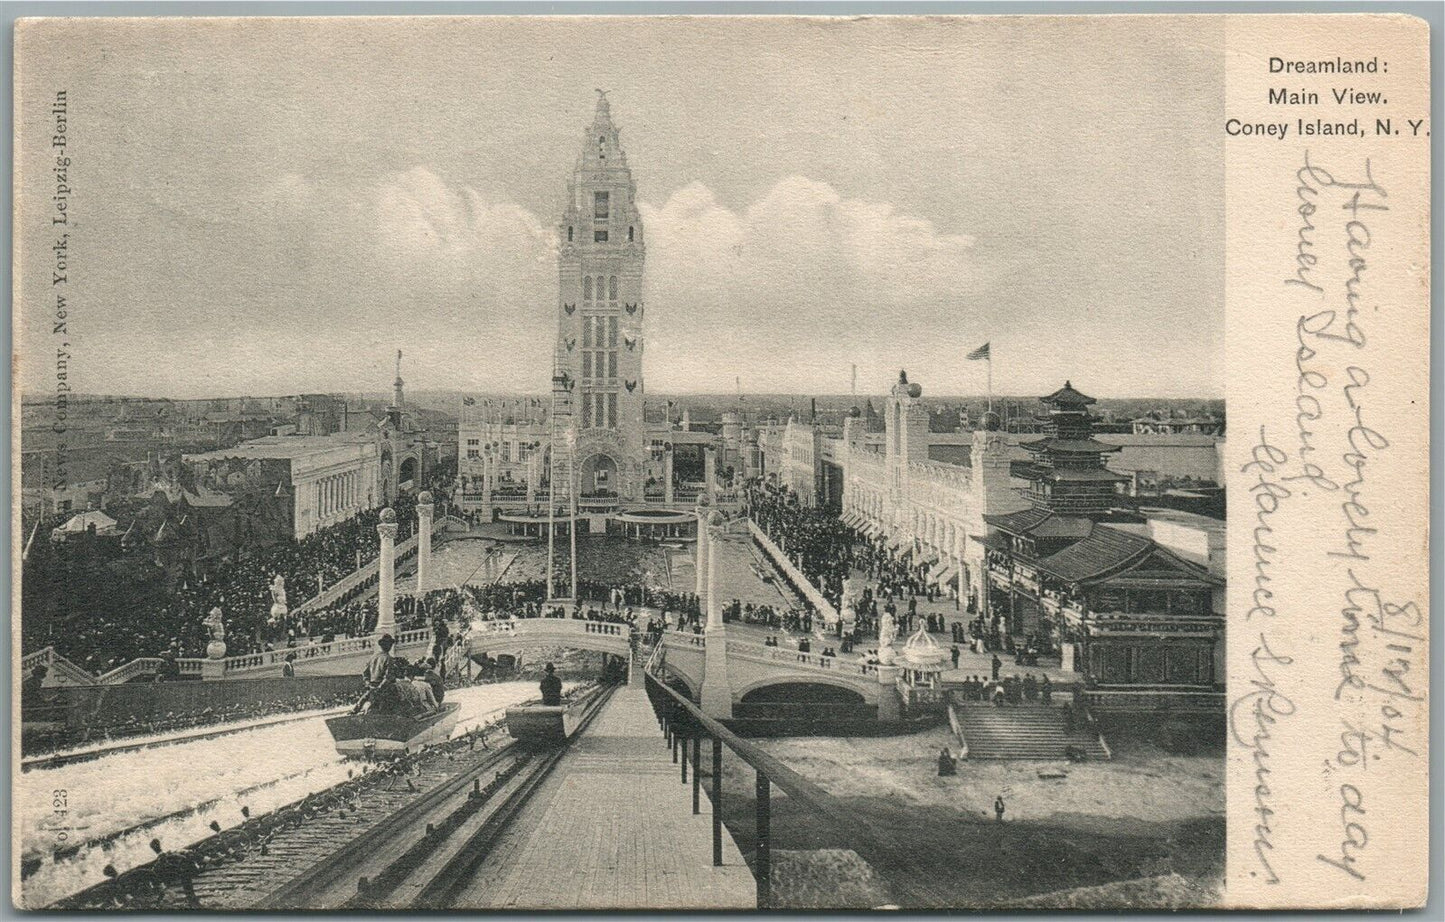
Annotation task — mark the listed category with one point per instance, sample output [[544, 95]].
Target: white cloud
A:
[[800, 271]]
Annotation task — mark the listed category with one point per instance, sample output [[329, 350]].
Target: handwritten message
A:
[[1316, 494]]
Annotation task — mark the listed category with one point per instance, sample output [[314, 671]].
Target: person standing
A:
[[551, 687], [946, 764], [953, 654], [997, 665], [998, 809], [32, 688]]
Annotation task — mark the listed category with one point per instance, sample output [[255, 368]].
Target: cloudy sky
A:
[[274, 207]]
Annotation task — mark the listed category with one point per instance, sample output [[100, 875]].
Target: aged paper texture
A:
[[1328, 318], [721, 463]]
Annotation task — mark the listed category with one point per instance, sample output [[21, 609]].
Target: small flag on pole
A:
[[980, 353]]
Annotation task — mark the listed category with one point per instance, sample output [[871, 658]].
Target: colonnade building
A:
[[1040, 532]]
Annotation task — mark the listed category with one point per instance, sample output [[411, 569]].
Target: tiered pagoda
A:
[[1078, 577], [1067, 474]]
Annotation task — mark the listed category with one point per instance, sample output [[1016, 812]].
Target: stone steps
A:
[[1023, 732]]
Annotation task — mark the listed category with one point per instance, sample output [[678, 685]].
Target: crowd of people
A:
[[159, 613], [990, 635], [1008, 689], [817, 542], [792, 620], [895, 576]]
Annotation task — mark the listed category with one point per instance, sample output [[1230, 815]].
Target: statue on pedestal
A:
[[852, 593], [278, 598], [216, 648], [887, 633]]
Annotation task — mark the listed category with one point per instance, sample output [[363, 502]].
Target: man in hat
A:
[[551, 687], [31, 688], [380, 676]]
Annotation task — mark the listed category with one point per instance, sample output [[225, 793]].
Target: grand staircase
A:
[[1023, 732]]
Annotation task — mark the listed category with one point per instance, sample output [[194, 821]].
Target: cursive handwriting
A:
[[1352, 806], [1251, 719], [1268, 493], [1337, 450]]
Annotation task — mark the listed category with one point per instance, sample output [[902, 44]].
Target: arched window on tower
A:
[[587, 288], [601, 287], [612, 288], [629, 234], [569, 233]]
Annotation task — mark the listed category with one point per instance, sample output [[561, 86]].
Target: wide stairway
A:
[[1024, 732]]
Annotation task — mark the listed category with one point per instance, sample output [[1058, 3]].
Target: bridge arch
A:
[[683, 683], [853, 686]]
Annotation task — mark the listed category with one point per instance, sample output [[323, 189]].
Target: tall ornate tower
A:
[[600, 311]]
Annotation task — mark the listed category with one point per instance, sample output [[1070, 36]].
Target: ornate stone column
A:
[[424, 512], [709, 471], [386, 586], [717, 691], [667, 474], [890, 706], [700, 562], [488, 463], [714, 601]]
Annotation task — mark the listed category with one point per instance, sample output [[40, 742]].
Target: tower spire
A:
[[396, 397]]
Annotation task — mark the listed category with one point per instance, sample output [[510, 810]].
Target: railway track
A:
[[388, 838], [423, 859]]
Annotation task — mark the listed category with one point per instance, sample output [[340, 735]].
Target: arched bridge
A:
[[528, 633], [753, 666]]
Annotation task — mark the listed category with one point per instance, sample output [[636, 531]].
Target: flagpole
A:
[[990, 379]]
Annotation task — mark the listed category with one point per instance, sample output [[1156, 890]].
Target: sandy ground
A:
[[1141, 783], [1144, 815]]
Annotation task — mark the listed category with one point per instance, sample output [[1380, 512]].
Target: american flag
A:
[[980, 353]]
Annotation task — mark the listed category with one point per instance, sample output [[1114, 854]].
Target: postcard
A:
[[671, 462]]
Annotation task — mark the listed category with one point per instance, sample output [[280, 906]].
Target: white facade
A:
[[932, 506], [333, 477]]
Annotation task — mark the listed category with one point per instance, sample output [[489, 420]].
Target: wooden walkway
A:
[[613, 828]]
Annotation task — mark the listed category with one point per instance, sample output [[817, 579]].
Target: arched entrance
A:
[[407, 475], [599, 476], [802, 707]]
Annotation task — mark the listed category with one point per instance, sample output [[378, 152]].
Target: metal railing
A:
[[905, 866]]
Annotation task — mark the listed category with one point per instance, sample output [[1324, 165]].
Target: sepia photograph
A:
[[667, 463]]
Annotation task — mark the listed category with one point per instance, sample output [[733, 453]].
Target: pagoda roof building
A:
[[1076, 574], [1066, 471]]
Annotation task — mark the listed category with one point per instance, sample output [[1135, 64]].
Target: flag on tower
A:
[[469, 401], [982, 353]]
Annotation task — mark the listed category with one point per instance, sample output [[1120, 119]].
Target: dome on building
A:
[[923, 652], [915, 390], [855, 413], [424, 497], [388, 515], [990, 421]]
